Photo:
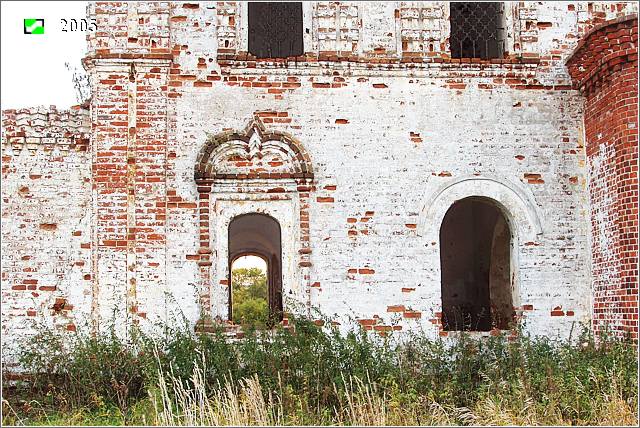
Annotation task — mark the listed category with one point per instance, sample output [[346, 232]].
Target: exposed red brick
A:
[[533, 178], [604, 66], [412, 314]]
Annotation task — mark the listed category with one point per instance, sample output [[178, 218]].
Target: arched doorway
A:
[[259, 235], [475, 262]]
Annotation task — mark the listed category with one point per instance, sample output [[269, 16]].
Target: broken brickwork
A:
[[46, 218]]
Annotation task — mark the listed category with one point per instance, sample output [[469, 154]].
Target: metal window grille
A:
[[477, 30], [275, 29]]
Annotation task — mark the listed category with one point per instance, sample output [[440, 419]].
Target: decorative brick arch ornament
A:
[[254, 153], [519, 207], [253, 171]]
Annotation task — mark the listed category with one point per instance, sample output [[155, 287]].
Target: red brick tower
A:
[[604, 67]]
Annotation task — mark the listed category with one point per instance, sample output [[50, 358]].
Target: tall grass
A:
[[361, 404], [311, 375]]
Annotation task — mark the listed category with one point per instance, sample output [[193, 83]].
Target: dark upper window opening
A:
[[477, 30], [275, 29]]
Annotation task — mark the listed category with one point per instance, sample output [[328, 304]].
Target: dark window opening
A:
[[477, 30], [275, 29], [475, 261], [259, 235]]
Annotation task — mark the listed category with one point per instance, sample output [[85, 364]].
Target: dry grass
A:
[[245, 405], [236, 404], [361, 404]]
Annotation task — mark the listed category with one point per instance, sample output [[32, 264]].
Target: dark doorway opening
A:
[[259, 235], [475, 261]]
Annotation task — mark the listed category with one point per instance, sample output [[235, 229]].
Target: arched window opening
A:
[[477, 30], [475, 261], [275, 29], [256, 235]]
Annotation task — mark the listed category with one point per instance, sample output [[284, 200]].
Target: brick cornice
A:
[[127, 58], [602, 51]]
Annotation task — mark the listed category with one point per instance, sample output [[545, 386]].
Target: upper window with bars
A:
[[477, 30], [275, 29]]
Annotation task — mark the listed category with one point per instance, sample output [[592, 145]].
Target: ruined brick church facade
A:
[[384, 171]]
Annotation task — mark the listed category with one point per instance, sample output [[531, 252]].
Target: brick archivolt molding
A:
[[519, 207], [253, 153]]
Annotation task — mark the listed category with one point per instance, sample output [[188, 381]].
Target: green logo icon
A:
[[33, 26]]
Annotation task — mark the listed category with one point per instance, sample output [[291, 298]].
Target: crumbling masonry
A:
[[361, 148]]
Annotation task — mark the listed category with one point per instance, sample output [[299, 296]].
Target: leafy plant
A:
[[312, 374], [250, 297]]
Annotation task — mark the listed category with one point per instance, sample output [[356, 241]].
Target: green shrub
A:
[[88, 370], [313, 371]]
